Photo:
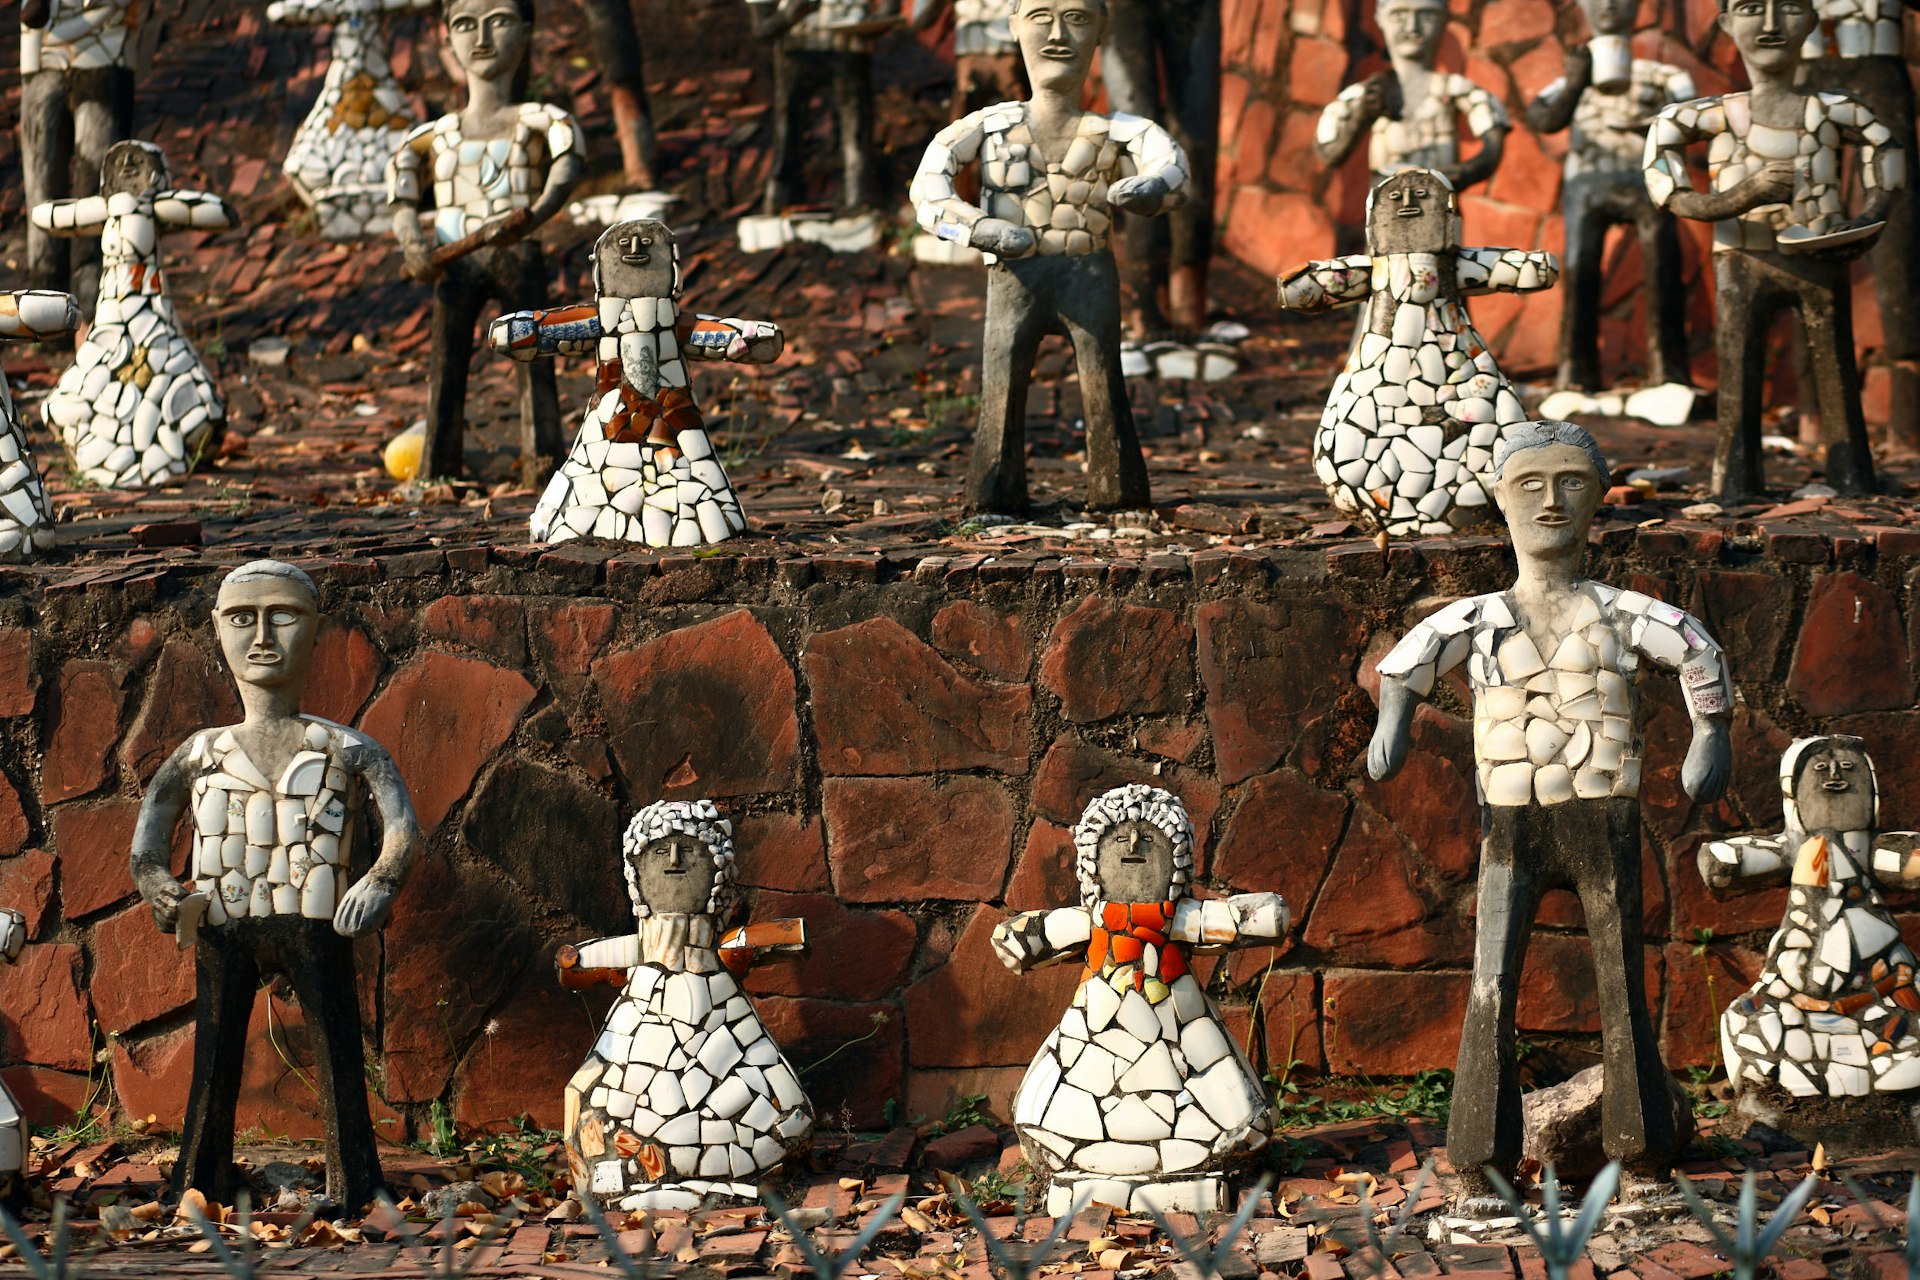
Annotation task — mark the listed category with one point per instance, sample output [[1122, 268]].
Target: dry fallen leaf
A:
[[916, 1219], [1819, 1157], [191, 1201]]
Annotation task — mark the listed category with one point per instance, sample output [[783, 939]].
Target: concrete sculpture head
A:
[[678, 857], [636, 259], [1413, 212], [267, 616], [1133, 844]]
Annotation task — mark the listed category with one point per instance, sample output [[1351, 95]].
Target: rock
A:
[[1074, 772], [138, 972], [43, 1010], [912, 839], [270, 351], [782, 851], [17, 685], [1561, 406], [1281, 838], [1562, 1124], [493, 625], [1392, 1023], [1109, 660], [974, 1012], [1668, 405], [91, 844], [1852, 651], [852, 1088], [442, 1201], [281, 1176], [442, 717], [26, 885], [13, 820], [1372, 909], [1271, 671], [852, 954], [962, 1147], [519, 797], [85, 725], [994, 642], [346, 666]]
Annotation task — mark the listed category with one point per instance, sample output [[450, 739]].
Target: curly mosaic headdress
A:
[[1795, 762], [697, 818], [1135, 802]]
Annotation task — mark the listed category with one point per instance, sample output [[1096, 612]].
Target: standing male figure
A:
[[1552, 663], [76, 100], [821, 45], [1781, 235], [986, 57], [274, 804], [1606, 96], [1050, 175]]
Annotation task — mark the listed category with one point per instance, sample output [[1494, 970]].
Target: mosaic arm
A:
[[1218, 923], [1487, 122], [1349, 117], [1670, 186], [762, 941], [734, 340], [194, 210], [1675, 640], [406, 190], [1435, 646], [13, 934], [943, 213], [774, 18], [1326, 284], [32, 315], [160, 810], [1552, 111], [1883, 162], [1036, 939], [1160, 182], [365, 907], [601, 962], [81, 216], [303, 13], [555, 331], [1506, 270], [1742, 864], [1896, 859], [566, 166]]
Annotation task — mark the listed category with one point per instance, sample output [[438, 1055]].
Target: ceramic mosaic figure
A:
[[1552, 663], [76, 100], [986, 57], [1606, 97], [821, 46], [1139, 1096], [1408, 437], [685, 1096], [274, 807], [26, 515], [1412, 114], [1857, 50], [137, 408], [643, 467], [495, 171], [1835, 1013], [1051, 175], [1782, 239], [338, 161], [13, 1125]]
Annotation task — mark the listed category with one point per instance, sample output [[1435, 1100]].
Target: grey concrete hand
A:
[[1713, 872], [364, 909], [1709, 762], [1388, 749], [163, 894], [1002, 239], [1143, 193]]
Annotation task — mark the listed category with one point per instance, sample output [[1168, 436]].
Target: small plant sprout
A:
[[831, 1268], [1369, 1237], [1911, 1254], [58, 1263], [1025, 1264], [1561, 1247], [1750, 1244], [645, 1268], [1207, 1263]]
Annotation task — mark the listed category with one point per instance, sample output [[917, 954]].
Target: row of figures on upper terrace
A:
[[299, 835], [1037, 189]]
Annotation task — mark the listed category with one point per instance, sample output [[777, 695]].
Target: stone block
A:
[[346, 666], [43, 1009], [1270, 671], [856, 1083], [1272, 230], [18, 689], [527, 1049], [1378, 906], [442, 717], [1698, 988], [83, 725], [1108, 660], [92, 844], [852, 954], [1748, 613], [995, 642], [139, 974], [48, 1097], [492, 625], [26, 885], [1043, 875], [1281, 838], [568, 637], [1852, 651], [522, 813], [781, 851], [1381, 1022], [974, 1012], [913, 839], [1073, 772], [188, 691]]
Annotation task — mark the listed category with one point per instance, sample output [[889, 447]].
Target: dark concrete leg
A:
[[521, 283], [1826, 315], [227, 974], [1485, 1127], [1090, 305], [319, 964], [793, 79], [458, 297], [1019, 315], [46, 159], [1743, 290], [616, 47], [102, 115], [1666, 298], [853, 109], [1587, 222]]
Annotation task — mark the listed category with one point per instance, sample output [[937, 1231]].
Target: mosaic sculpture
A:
[[496, 171], [1412, 114], [1605, 99], [1834, 1013], [1408, 436], [1782, 239], [13, 1125], [26, 516], [1139, 1096], [821, 46], [1857, 51], [76, 100], [136, 408], [1051, 175], [986, 57], [684, 1095], [274, 806], [338, 160], [642, 468], [1162, 62], [1552, 663]]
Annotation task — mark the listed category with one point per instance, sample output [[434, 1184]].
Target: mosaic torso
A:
[[981, 28], [1427, 136], [1064, 204], [1553, 727], [137, 406], [476, 180], [1609, 130], [1857, 29], [684, 1092], [26, 514], [79, 35], [280, 847], [1738, 148], [825, 29], [1412, 422]]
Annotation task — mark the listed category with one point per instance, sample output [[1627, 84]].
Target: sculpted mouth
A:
[[1411, 211]]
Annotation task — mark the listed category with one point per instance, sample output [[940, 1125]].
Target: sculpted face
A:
[[1058, 39], [489, 37], [1835, 790], [131, 168], [635, 260], [1412, 213], [1609, 17], [1549, 495], [675, 875], [266, 628], [1412, 27], [1769, 33], [1134, 863]]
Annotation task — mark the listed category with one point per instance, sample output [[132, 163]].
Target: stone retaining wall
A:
[[906, 746]]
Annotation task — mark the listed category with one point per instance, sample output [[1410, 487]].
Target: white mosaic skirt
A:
[[137, 406]]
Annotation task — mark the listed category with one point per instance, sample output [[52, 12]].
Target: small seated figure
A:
[[1408, 436], [684, 1096], [13, 1124], [137, 408], [338, 161], [26, 516], [642, 468], [1051, 176], [1412, 114], [1835, 1013], [1782, 239], [496, 171], [1139, 1094], [1606, 97]]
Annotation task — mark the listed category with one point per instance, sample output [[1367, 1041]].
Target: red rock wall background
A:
[[905, 756], [1286, 59]]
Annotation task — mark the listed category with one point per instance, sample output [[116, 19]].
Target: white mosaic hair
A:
[[1794, 762], [698, 818], [1139, 803], [266, 570], [664, 232], [1543, 434]]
